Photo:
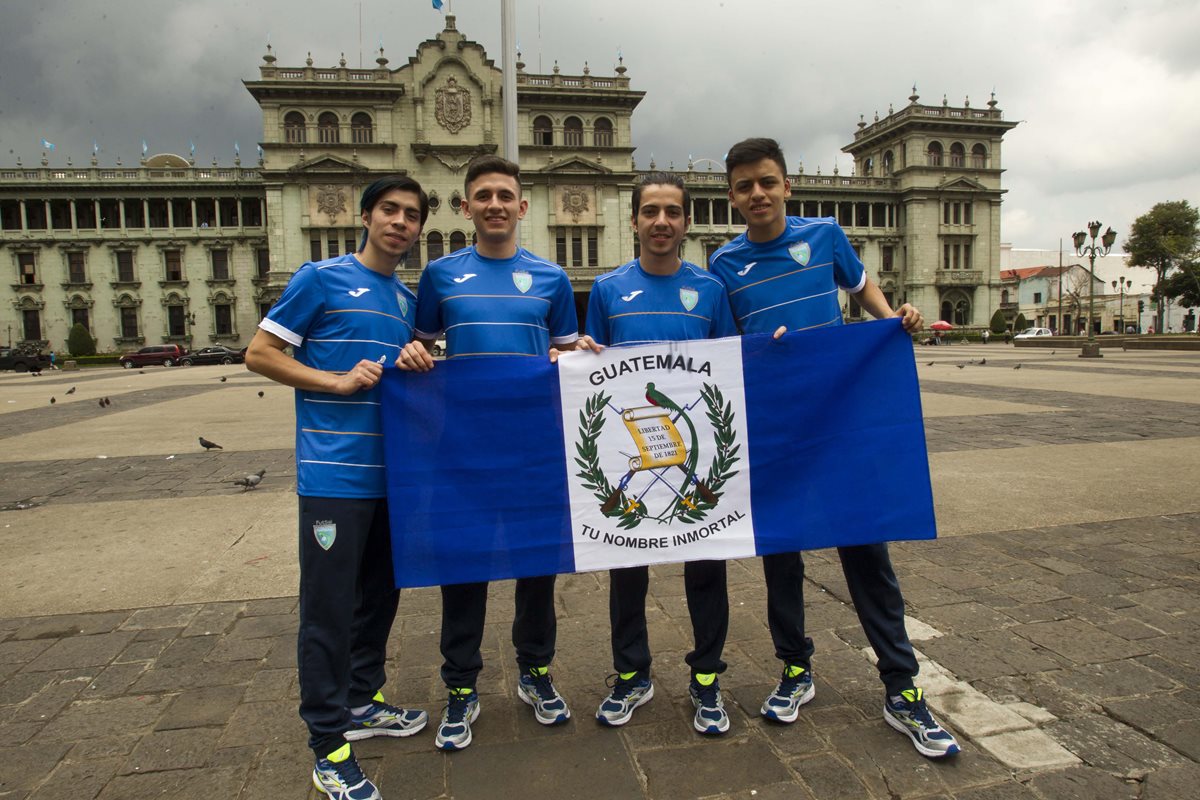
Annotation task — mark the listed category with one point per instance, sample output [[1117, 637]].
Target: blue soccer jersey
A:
[[792, 280], [515, 306], [336, 313], [632, 306]]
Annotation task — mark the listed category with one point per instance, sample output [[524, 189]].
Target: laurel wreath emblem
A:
[[628, 511]]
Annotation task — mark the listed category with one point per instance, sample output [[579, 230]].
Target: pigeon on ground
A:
[[960, 366], [1052, 352], [207, 445], [982, 361], [141, 372], [260, 393], [223, 379], [107, 402], [930, 364], [71, 390], [52, 401], [1018, 366], [250, 481], [100, 402]]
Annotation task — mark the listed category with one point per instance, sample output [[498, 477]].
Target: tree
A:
[[1163, 238], [999, 323], [1184, 284], [80, 342], [1021, 323]]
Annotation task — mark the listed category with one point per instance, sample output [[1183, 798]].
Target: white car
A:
[[1033, 333]]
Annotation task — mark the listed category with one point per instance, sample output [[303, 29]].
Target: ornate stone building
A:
[[169, 250]]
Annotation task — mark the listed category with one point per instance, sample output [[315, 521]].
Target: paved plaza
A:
[[148, 610]]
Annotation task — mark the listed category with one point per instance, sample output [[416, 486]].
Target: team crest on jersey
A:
[[400, 301], [800, 253], [523, 280], [689, 298], [325, 532]]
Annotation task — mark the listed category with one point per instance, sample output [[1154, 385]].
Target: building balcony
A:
[[958, 277]]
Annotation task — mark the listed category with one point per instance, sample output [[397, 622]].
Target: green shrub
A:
[[999, 323], [80, 342], [1021, 324]]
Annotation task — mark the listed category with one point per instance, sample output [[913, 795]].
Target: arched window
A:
[[361, 129], [869, 167], [573, 132], [979, 157], [602, 134], [543, 130], [889, 161], [956, 308], [958, 155], [933, 155], [458, 240], [1003, 296], [327, 128], [293, 127], [435, 246]]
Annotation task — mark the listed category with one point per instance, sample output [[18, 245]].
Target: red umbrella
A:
[[941, 325]]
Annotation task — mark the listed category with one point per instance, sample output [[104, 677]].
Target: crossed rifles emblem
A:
[[660, 448]]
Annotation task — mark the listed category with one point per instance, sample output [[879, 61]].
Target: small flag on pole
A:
[[260, 152], [95, 147], [47, 145], [145, 148], [237, 151], [437, 5], [192, 148]]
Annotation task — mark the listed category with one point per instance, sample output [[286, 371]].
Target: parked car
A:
[[20, 359], [217, 354], [1033, 333], [166, 354]]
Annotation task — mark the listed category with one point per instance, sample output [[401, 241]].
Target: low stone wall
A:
[[1143, 342]]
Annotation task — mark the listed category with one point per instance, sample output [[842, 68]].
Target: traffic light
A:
[[1141, 306]]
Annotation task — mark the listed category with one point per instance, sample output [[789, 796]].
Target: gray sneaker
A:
[[536, 688], [910, 716], [626, 695], [384, 719], [794, 690], [454, 732], [710, 718]]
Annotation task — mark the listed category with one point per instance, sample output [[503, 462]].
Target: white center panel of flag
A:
[[657, 454]]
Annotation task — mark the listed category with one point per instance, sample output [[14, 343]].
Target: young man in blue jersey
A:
[[658, 297], [494, 299], [344, 318], [783, 274]]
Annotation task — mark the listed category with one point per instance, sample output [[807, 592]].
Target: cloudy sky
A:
[[1105, 91]]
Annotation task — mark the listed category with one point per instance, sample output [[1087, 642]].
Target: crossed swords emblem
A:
[[660, 449]]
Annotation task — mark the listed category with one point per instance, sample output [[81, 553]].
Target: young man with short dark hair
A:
[[783, 274], [344, 318], [494, 299], [658, 297]]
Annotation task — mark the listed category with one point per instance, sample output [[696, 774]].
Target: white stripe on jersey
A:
[[788, 303]]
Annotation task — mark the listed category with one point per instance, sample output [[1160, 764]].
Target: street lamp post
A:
[[1121, 303], [1092, 349]]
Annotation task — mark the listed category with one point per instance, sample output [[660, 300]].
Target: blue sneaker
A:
[[382, 719], [536, 688], [462, 708], [626, 695], [710, 718], [339, 777], [794, 690], [908, 714]]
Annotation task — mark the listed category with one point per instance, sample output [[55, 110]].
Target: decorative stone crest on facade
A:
[[452, 108], [575, 201], [331, 200]]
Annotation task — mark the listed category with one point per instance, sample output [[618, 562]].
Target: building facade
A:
[[171, 251]]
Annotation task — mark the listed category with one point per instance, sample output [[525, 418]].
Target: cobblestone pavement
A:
[[1064, 654]]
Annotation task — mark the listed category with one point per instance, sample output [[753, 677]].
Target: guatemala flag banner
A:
[[713, 449]]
